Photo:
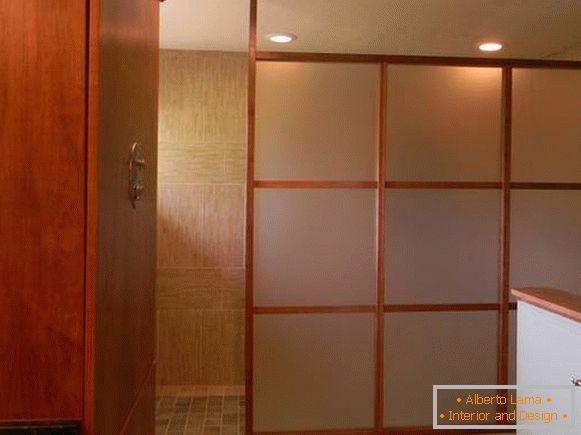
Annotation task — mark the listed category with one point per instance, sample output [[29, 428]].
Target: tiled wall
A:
[[200, 289]]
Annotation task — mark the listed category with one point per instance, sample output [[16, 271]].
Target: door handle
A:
[[136, 179]]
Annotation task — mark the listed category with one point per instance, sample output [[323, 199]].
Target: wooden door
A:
[[123, 100], [42, 199]]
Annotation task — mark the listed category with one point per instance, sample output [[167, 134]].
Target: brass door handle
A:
[[136, 181]]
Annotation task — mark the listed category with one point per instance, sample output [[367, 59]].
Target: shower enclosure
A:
[[392, 201]]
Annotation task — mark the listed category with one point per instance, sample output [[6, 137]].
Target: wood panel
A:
[[42, 127], [127, 61]]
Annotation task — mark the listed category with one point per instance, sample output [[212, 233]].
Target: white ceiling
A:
[[528, 28]]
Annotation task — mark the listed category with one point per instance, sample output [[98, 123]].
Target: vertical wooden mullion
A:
[[380, 250], [504, 260], [249, 247]]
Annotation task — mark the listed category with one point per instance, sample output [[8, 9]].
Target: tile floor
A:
[[200, 411]]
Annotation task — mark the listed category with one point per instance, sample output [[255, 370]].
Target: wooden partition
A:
[[391, 201], [77, 260]]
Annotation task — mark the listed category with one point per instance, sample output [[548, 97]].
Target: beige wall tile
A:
[[232, 286], [235, 163], [179, 356], [203, 347], [180, 226], [223, 226], [191, 163], [202, 163], [225, 76], [181, 97], [223, 347], [189, 289], [202, 97]]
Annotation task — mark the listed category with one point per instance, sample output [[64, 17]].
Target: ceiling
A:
[[533, 29]]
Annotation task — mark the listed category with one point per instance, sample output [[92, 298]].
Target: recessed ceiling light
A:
[[282, 38], [490, 46]]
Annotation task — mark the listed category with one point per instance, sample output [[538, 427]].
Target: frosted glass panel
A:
[[423, 349], [316, 121], [442, 246], [546, 239], [313, 372], [444, 123], [546, 123], [314, 246]]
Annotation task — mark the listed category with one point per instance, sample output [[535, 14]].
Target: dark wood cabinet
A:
[[78, 86]]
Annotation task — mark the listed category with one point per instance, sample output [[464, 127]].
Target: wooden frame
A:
[[505, 186], [286, 56], [504, 234], [249, 240]]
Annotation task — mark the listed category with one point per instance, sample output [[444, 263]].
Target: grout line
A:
[[203, 426], [188, 413], [222, 413], [196, 421]]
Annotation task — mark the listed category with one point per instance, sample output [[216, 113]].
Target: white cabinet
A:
[[548, 353]]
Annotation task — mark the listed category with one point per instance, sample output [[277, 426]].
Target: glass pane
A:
[[546, 239], [423, 349], [314, 247], [316, 121], [442, 246], [546, 124], [443, 123], [313, 372]]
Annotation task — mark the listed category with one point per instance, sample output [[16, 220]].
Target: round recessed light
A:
[[490, 46], [282, 38]]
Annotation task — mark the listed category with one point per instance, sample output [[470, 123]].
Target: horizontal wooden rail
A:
[[418, 308], [322, 309], [443, 185], [280, 56], [387, 308], [411, 185], [314, 184], [545, 186]]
